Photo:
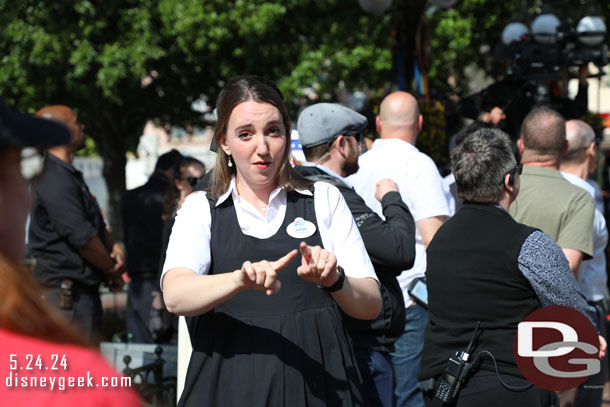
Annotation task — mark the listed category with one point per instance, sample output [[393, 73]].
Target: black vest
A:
[[472, 276], [288, 349]]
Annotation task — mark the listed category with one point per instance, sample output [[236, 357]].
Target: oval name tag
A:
[[301, 228]]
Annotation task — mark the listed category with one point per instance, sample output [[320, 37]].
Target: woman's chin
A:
[[260, 180]]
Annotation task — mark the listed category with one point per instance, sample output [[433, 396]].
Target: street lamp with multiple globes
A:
[[551, 43]]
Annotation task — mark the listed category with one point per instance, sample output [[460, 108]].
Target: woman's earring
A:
[[230, 163]]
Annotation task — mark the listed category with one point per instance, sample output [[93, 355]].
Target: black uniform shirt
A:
[[142, 210], [64, 217]]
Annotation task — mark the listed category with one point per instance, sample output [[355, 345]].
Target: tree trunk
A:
[[113, 152]]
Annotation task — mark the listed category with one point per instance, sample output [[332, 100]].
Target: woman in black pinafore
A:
[[265, 330]]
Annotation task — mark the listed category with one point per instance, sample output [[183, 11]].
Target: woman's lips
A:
[[262, 165]]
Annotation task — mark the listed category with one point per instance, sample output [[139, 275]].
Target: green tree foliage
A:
[[466, 35], [123, 62]]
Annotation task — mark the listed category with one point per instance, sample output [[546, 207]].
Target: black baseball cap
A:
[[24, 130]]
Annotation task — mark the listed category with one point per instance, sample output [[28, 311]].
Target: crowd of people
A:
[[302, 285]]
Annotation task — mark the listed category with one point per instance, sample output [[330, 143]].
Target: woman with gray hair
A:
[[485, 268]]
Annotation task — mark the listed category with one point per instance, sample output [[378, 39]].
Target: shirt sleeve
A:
[[431, 199], [62, 198], [577, 232], [389, 243], [339, 232], [189, 242], [543, 264]]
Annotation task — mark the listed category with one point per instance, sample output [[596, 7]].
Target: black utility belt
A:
[[69, 291], [74, 286]]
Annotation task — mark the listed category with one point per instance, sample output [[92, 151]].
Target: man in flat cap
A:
[[330, 135], [74, 251], [395, 156]]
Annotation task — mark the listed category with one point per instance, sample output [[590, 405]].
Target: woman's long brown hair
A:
[[239, 90], [24, 311]]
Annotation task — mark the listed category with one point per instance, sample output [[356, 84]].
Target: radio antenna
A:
[[474, 335]]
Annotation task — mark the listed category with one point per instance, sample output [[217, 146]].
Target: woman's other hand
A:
[[318, 265], [262, 275]]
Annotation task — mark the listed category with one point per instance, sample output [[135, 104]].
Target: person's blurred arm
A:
[[115, 250], [574, 259], [97, 254], [428, 227], [429, 204]]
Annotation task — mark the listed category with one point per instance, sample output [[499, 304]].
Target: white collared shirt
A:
[[420, 185], [592, 275], [189, 243]]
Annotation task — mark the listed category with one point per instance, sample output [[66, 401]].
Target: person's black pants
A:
[[139, 305], [483, 389]]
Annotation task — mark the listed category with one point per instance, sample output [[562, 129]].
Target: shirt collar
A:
[[541, 171], [232, 190], [51, 159], [393, 143], [579, 182], [329, 172]]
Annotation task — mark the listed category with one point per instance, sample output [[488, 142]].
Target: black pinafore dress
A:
[[288, 349]]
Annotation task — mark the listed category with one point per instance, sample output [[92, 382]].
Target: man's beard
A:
[[350, 165]]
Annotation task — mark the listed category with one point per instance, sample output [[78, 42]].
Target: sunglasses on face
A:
[[517, 169], [357, 136], [192, 180]]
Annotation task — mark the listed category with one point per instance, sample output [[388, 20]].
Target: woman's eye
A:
[[275, 130], [243, 135]]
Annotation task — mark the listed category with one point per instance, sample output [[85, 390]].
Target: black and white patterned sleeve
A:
[[544, 265]]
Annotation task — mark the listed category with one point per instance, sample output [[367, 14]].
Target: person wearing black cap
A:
[[329, 134], [74, 251], [29, 327]]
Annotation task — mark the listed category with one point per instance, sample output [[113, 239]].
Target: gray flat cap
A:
[[323, 122]]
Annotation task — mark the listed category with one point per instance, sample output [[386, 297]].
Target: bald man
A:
[[579, 161], [421, 187], [74, 251], [546, 200]]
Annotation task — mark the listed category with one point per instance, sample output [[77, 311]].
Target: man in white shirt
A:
[[578, 162], [395, 156]]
